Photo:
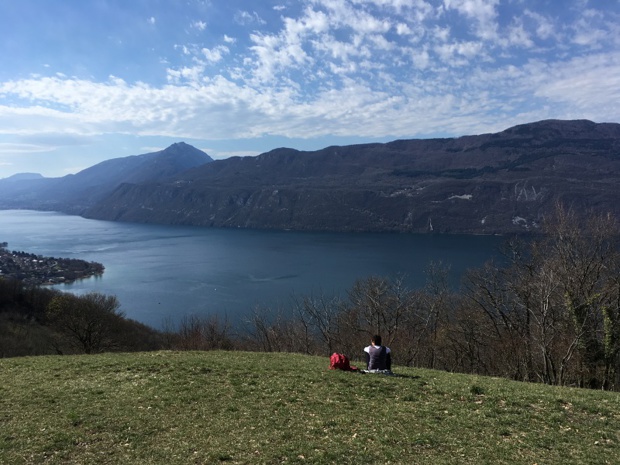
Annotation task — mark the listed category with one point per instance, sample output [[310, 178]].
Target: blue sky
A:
[[86, 80]]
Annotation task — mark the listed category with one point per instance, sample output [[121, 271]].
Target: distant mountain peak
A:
[[24, 176], [178, 146], [182, 148], [74, 193]]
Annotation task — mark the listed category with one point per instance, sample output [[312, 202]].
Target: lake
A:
[[159, 272]]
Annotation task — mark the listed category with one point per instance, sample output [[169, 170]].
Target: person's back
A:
[[378, 357]]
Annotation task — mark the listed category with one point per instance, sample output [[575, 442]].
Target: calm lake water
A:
[[171, 271]]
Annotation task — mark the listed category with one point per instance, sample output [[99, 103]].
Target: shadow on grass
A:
[[390, 374]]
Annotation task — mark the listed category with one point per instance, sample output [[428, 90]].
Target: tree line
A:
[[548, 311]]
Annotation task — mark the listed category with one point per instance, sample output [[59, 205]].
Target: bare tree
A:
[[320, 316], [556, 303], [271, 330], [381, 305], [86, 323], [433, 308], [197, 333], [585, 251], [611, 322], [261, 334]]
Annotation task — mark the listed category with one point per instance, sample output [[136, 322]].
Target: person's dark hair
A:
[[376, 339]]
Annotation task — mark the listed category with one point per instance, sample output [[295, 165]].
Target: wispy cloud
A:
[[482, 13], [246, 18], [200, 25], [214, 54], [14, 148]]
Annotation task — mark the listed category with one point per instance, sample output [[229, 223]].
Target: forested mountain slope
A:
[[490, 183]]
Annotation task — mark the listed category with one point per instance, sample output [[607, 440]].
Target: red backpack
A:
[[340, 362]]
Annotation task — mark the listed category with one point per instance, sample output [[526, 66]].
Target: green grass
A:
[[253, 408]]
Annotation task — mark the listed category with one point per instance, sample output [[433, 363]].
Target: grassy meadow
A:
[[272, 408]]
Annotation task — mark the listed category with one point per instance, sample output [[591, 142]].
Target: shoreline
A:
[[39, 270]]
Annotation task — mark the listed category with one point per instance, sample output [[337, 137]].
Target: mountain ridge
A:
[[485, 184], [492, 183]]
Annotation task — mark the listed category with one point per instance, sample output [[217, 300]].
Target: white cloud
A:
[[200, 25], [589, 85], [441, 34], [246, 18], [420, 7], [151, 149], [151, 20], [313, 22], [191, 74], [545, 27], [586, 33], [518, 36], [403, 29], [215, 54], [342, 51], [13, 148], [380, 43], [420, 59], [483, 12], [460, 53], [274, 54]]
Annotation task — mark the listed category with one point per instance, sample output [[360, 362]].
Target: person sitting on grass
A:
[[378, 358]]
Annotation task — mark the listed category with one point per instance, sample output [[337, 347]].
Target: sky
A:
[[82, 81]]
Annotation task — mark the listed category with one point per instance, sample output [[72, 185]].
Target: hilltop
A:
[[263, 408]]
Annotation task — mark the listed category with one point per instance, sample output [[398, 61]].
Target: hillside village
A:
[[34, 269]]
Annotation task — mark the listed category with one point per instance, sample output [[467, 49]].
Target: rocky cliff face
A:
[[487, 184]]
